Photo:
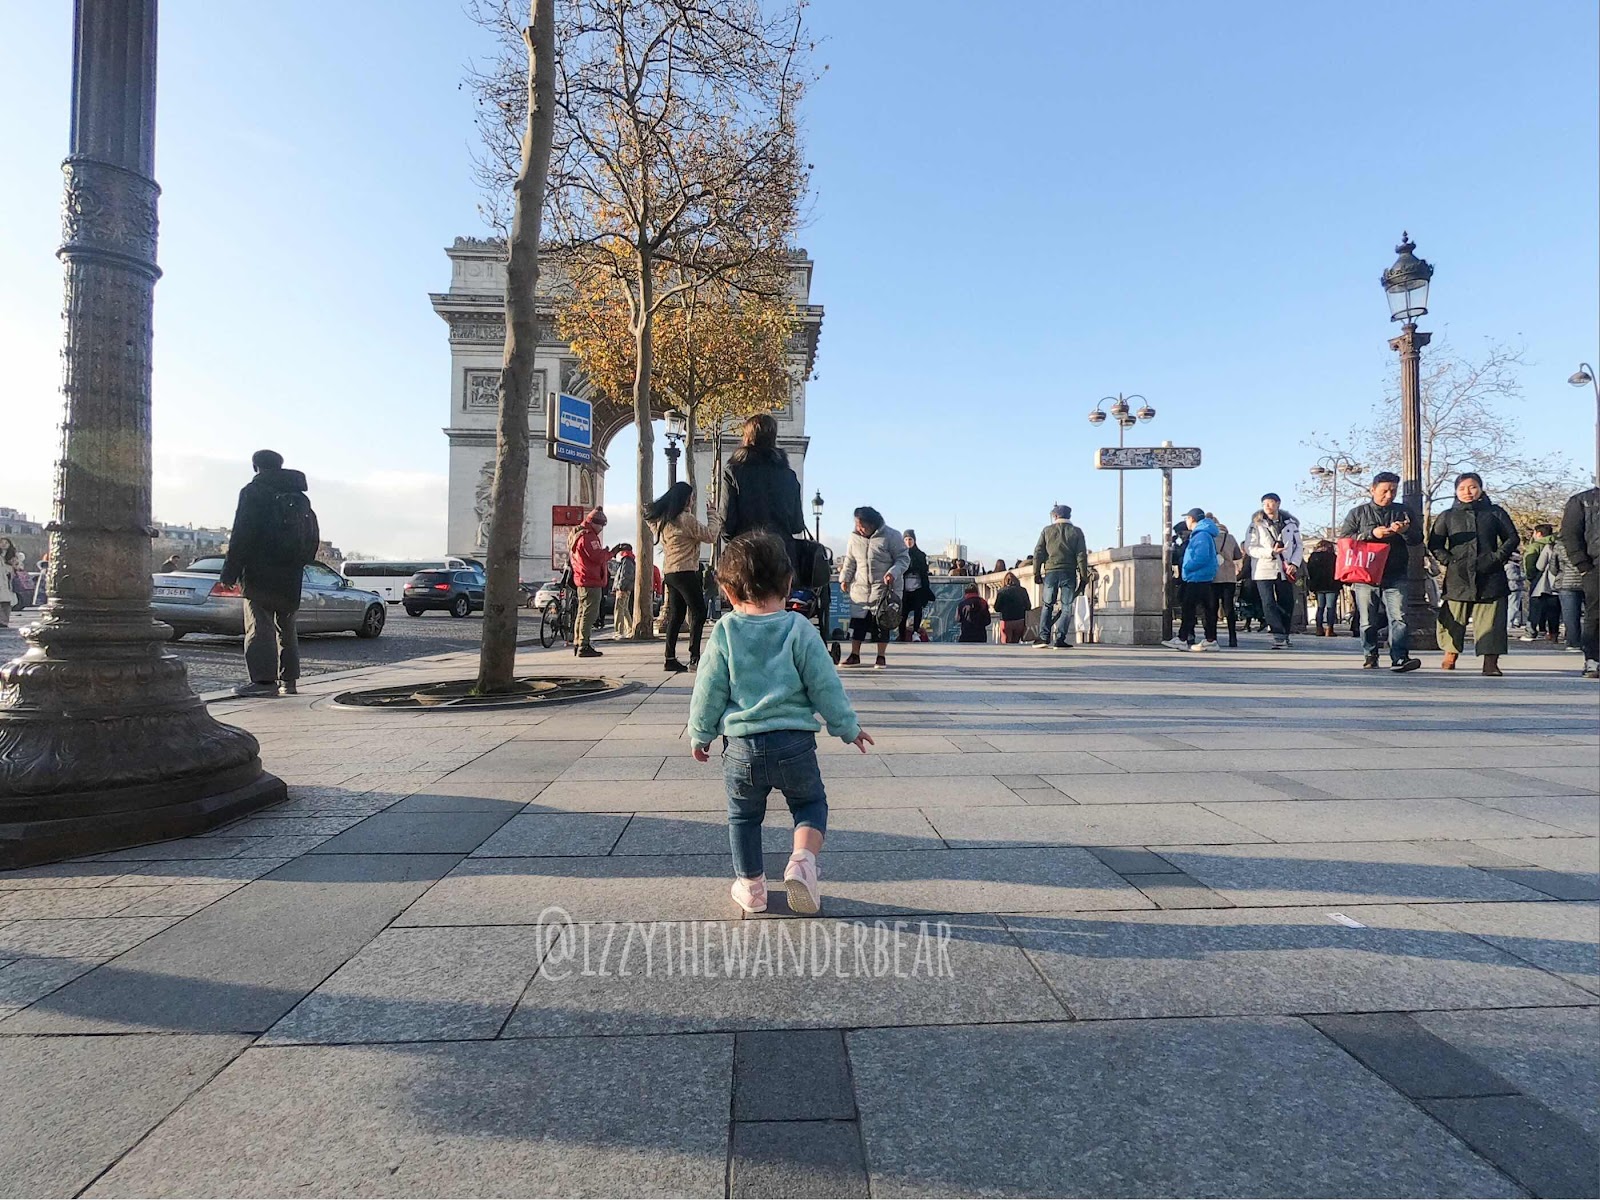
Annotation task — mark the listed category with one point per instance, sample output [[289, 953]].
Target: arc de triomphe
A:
[[474, 309]]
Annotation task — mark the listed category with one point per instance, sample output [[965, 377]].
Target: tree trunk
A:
[[689, 471], [498, 657], [644, 629]]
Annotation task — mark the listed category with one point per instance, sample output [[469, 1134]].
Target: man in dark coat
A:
[[1382, 520], [1580, 538], [274, 537], [1473, 538]]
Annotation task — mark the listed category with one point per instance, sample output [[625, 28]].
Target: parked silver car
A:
[[193, 600]]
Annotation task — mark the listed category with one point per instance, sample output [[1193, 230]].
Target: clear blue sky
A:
[[1018, 209]]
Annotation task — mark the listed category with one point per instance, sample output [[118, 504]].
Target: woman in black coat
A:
[[1473, 539], [760, 489], [918, 594]]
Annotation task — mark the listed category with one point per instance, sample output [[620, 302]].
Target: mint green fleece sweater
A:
[[767, 672]]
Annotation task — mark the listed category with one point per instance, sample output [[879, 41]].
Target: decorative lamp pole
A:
[[1406, 285], [1330, 467], [816, 512], [1126, 417], [677, 430], [1585, 374], [102, 742]]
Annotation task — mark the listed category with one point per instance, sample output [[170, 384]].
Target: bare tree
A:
[[676, 146], [502, 600], [1469, 423]]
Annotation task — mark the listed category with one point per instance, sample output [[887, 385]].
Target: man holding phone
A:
[[1275, 553], [1382, 520]]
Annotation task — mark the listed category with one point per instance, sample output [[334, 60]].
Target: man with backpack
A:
[[275, 535]]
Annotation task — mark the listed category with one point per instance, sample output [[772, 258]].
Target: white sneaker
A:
[[1204, 646], [800, 880], [1045, 645], [1176, 644], [1574, 650], [1530, 637], [750, 894]]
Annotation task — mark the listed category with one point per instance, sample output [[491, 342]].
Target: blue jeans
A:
[[1327, 609], [1394, 607], [1059, 586], [785, 759], [1572, 615], [1277, 603]]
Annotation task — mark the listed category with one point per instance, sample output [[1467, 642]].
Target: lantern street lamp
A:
[[677, 430], [816, 512], [1406, 286], [1330, 467], [1585, 375], [1126, 418]]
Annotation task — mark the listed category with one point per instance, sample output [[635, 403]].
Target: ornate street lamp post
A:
[[1585, 375], [102, 742], [677, 430], [1406, 285], [1330, 467], [816, 512], [1126, 417]]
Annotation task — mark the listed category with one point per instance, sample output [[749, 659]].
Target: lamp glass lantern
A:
[[677, 424], [816, 505], [1146, 413], [1406, 283], [1097, 417]]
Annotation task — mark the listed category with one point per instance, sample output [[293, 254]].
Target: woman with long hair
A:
[[681, 535], [760, 489]]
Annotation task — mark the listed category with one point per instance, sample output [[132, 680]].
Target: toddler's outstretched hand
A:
[[702, 754], [863, 740]]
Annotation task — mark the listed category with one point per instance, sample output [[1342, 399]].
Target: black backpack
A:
[[290, 533]]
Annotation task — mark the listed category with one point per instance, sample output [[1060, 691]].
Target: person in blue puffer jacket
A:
[[1199, 578]]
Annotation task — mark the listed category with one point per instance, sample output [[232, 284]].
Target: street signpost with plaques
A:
[[1165, 459], [569, 432]]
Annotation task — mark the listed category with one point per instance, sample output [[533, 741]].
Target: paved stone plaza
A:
[[1232, 925]]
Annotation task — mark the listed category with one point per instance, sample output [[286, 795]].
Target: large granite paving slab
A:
[[1170, 788], [1339, 873], [508, 1118], [412, 985], [834, 767], [71, 1106], [1562, 938], [1045, 879], [1386, 820], [418, 833], [848, 829], [1209, 962], [521, 760], [1087, 825], [686, 977], [539, 835], [1550, 1054], [244, 961], [1582, 778], [1576, 814], [1262, 1106], [1578, 856], [1463, 783], [1036, 762], [518, 891]]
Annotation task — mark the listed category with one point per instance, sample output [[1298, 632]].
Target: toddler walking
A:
[[763, 679]]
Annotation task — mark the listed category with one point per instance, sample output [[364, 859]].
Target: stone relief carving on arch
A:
[[480, 391]]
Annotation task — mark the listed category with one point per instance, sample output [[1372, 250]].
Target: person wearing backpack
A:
[[275, 535]]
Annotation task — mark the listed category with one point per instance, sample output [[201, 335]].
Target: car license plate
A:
[[172, 591]]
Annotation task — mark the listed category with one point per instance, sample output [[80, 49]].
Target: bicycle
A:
[[560, 619]]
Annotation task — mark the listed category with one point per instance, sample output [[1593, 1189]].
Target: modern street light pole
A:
[[816, 512], [1585, 374], [1330, 467], [1126, 418], [1406, 285], [102, 742]]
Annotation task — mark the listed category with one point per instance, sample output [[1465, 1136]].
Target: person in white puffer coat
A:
[[874, 564], [1275, 552]]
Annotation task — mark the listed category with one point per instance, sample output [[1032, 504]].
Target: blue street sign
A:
[[575, 423], [562, 452]]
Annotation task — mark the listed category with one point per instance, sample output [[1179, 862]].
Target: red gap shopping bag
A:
[[1361, 562]]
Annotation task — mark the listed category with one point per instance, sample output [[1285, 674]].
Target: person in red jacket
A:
[[590, 571]]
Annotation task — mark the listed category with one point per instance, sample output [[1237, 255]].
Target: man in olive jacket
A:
[[1061, 567], [1473, 538], [1580, 538]]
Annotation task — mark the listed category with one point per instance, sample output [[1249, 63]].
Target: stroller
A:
[[811, 594]]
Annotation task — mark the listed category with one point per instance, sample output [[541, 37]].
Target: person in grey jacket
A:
[[1276, 554], [1517, 601], [1061, 568], [874, 566]]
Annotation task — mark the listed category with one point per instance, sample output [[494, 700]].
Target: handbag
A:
[[887, 612], [1361, 562]]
